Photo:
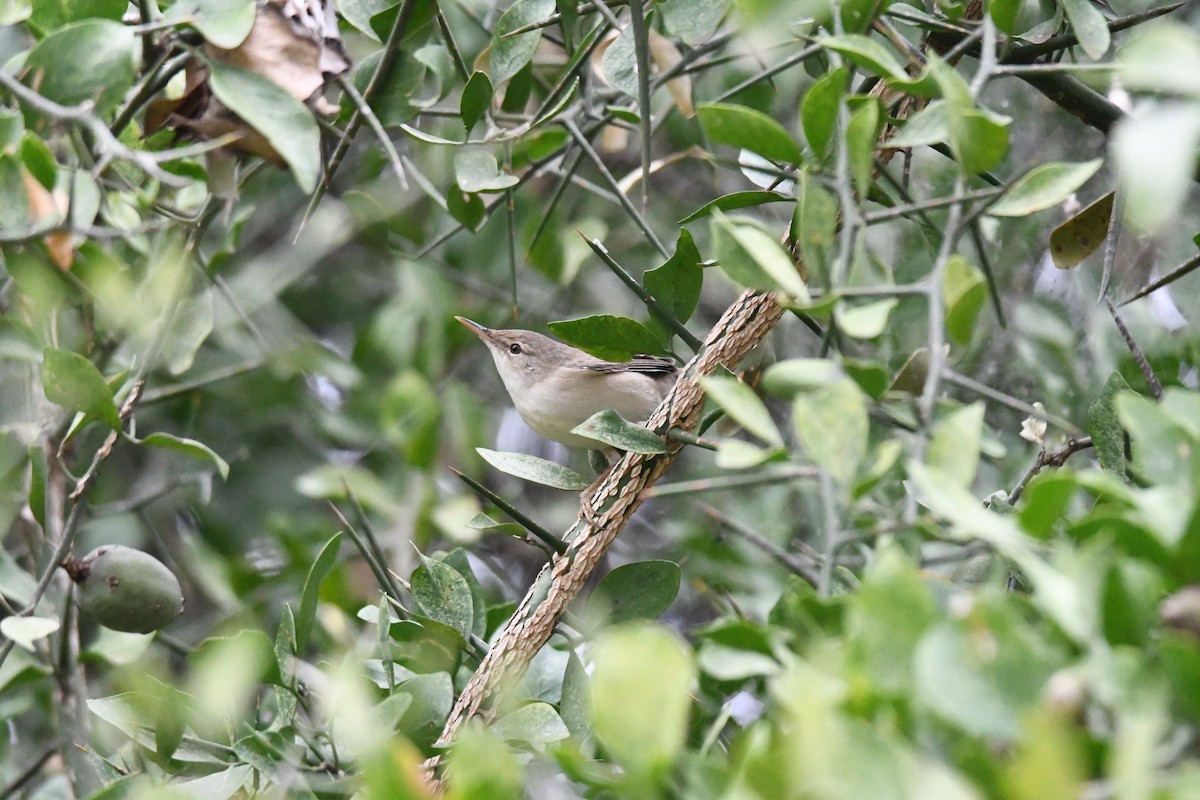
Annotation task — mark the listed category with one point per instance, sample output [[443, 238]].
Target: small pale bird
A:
[[555, 387]]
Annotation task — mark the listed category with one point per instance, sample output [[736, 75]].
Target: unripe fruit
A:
[[126, 589]]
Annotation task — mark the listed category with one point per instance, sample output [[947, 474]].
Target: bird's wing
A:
[[651, 365]]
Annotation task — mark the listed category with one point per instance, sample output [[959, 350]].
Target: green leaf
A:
[[443, 595], [51, 14], [537, 470], [1164, 58], [979, 140], [753, 258], [641, 590], [693, 21], [14, 11], [832, 424], [1108, 437], [432, 697], [534, 724], [482, 522], [476, 99], [24, 631], [484, 767], [619, 63], [861, 134], [1078, 237], [73, 382], [743, 405], [732, 202], [222, 23], [477, 170], [286, 122], [865, 321], [956, 683], [399, 99], [191, 447], [14, 206], [866, 53], [90, 60], [466, 207], [819, 110], [676, 284], [608, 337], [740, 454], [170, 722], [964, 291], [1155, 440], [321, 567], [509, 54], [787, 378], [887, 617], [1154, 156], [814, 224], [929, 126], [1043, 187], [39, 160], [12, 129], [746, 128], [954, 444], [612, 429], [1089, 26], [641, 678]]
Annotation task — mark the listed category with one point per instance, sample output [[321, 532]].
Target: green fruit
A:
[[126, 589]]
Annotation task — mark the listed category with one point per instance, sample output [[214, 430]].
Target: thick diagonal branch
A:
[[606, 512]]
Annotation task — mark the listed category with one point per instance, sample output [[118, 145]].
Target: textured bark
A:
[[605, 512]]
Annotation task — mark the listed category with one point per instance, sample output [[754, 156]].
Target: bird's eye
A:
[[514, 348]]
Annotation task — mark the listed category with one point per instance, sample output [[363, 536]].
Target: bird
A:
[[555, 386]]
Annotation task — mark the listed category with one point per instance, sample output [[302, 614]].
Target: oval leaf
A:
[[73, 382], [832, 424], [865, 321], [91, 60], [536, 470], [478, 171], [755, 259], [612, 429], [642, 590], [509, 54], [1078, 237], [27, 630], [641, 678], [743, 405], [191, 447], [1042, 187], [746, 128], [734, 201], [608, 337], [443, 595], [286, 122]]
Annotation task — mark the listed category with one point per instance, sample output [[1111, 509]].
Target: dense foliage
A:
[[939, 537]]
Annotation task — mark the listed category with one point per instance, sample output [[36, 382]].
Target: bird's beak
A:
[[475, 328]]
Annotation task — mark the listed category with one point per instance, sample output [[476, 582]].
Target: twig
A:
[[546, 537], [686, 437], [726, 482], [788, 560], [652, 304], [71, 526], [602, 168], [1155, 386], [391, 52], [1048, 459], [362, 107], [108, 144], [1169, 278]]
